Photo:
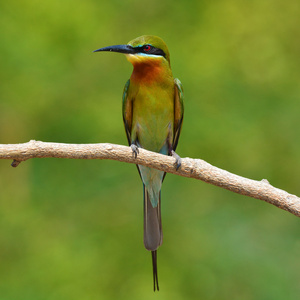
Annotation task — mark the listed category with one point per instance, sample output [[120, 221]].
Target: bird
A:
[[152, 107]]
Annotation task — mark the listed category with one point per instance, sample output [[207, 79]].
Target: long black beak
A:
[[126, 49]]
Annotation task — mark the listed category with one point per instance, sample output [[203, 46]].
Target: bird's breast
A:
[[153, 116]]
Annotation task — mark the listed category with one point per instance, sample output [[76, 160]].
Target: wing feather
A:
[[178, 111], [127, 112]]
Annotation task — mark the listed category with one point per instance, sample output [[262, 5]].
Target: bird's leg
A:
[[178, 159], [135, 150]]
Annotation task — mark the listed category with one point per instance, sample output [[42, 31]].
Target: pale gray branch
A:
[[193, 168]]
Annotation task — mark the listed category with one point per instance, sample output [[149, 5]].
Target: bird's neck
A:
[[149, 72]]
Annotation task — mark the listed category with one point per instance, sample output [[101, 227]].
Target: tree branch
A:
[[193, 168]]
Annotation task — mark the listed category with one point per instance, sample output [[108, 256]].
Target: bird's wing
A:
[[127, 112], [127, 115], [178, 111]]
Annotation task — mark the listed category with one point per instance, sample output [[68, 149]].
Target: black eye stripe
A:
[[152, 50]]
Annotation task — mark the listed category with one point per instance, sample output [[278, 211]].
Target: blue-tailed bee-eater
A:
[[152, 115]]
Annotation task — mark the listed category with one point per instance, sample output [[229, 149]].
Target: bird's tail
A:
[[154, 267], [152, 231]]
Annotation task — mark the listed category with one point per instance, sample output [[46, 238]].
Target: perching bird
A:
[[152, 115]]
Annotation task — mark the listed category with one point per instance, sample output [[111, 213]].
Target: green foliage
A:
[[73, 229]]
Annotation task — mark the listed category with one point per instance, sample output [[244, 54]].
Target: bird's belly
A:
[[154, 128], [153, 138]]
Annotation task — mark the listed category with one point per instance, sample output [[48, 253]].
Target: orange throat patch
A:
[[146, 69]]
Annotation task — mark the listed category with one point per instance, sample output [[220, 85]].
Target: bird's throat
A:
[[148, 70]]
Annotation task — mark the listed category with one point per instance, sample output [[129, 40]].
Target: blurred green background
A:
[[73, 229]]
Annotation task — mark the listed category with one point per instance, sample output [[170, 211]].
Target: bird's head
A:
[[143, 49]]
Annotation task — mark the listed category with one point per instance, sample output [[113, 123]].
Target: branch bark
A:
[[192, 168]]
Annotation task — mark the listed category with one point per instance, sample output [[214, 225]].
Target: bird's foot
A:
[[135, 150], [177, 159]]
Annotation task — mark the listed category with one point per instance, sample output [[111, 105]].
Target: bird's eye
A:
[[147, 48]]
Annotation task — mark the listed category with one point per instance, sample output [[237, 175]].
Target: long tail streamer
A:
[[154, 266]]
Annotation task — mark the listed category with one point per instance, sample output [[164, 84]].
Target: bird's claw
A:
[[135, 150], [177, 159]]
